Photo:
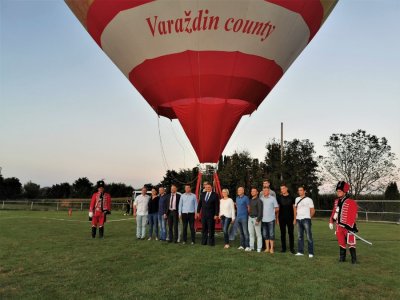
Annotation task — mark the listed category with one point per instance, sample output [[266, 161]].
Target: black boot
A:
[[353, 255], [101, 232], [342, 254], [94, 232]]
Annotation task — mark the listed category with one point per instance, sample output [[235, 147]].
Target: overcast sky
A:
[[66, 111]]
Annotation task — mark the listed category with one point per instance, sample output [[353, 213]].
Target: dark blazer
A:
[[210, 208], [178, 198]]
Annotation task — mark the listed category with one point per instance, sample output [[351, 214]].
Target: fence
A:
[[56, 205], [368, 210], [387, 211]]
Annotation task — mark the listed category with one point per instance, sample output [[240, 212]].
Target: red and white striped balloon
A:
[[205, 62]]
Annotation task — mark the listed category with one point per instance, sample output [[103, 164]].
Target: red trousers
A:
[[98, 219], [344, 237]]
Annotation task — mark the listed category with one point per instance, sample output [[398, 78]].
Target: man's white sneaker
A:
[[247, 249], [240, 248], [259, 250], [310, 255], [299, 254]]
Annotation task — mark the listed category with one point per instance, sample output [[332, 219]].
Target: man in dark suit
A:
[[209, 207], [172, 205]]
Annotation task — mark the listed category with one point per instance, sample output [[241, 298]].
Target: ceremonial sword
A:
[[360, 238]]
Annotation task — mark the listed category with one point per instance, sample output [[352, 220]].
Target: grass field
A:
[[48, 255]]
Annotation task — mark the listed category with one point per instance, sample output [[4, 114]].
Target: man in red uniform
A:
[[344, 214], [100, 206]]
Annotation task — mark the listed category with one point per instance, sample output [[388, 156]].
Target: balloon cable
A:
[[180, 144], [164, 158]]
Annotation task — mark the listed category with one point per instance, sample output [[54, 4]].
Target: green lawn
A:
[[42, 257]]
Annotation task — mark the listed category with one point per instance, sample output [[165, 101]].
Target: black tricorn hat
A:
[[100, 183], [343, 186]]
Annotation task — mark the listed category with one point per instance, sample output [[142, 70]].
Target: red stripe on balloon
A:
[[251, 91], [101, 13], [209, 123], [198, 74], [311, 11], [208, 91]]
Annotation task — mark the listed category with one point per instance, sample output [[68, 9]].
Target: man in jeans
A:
[[304, 211], [242, 206], [187, 209], [286, 217], [234, 229], [162, 213], [270, 214], [255, 212], [140, 212]]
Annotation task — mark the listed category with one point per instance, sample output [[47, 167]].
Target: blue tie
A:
[[207, 197]]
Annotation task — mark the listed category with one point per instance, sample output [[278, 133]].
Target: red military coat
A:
[[97, 204], [344, 212]]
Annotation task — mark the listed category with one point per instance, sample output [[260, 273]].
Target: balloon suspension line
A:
[[164, 158], [180, 144]]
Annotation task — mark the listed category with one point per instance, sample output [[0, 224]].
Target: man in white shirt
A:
[[140, 211], [304, 211]]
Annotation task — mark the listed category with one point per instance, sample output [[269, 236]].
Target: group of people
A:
[[254, 217]]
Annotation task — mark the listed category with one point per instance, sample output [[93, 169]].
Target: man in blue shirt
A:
[[162, 213], [187, 209], [242, 204], [270, 216]]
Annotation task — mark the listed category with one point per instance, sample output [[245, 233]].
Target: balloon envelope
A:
[[205, 62]]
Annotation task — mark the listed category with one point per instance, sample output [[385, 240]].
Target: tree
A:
[[119, 190], [180, 178], [11, 188], [240, 169], [44, 192], [1, 185], [60, 191], [299, 165], [363, 160], [82, 188], [392, 192], [31, 190], [273, 168]]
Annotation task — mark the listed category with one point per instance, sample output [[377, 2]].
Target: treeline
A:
[[298, 167], [363, 160], [11, 188]]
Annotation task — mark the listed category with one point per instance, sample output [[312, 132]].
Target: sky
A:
[[66, 111]]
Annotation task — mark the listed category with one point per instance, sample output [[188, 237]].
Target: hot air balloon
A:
[[206, 63]]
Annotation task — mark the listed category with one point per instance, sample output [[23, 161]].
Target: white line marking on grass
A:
[[56, 219], [12, 218], [119, 220]]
